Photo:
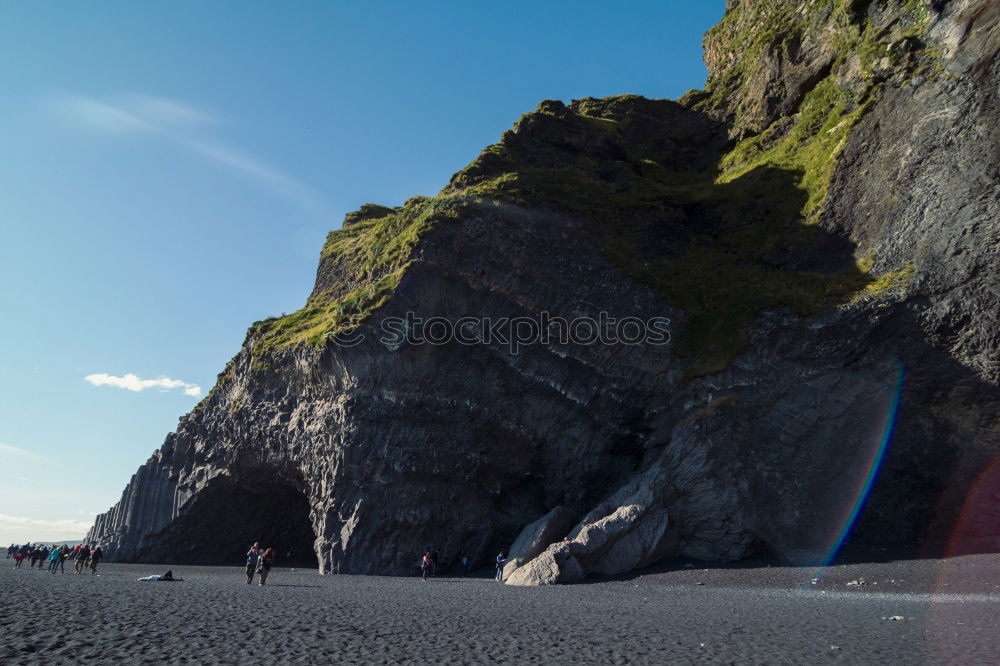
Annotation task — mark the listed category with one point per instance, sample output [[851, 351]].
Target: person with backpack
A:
[[81, 559], [95, 558], [264, 565]]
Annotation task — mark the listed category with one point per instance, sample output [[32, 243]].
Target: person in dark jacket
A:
[[81, 559], [95, 559], [62, 558]]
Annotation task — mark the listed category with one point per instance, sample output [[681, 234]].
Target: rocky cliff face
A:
[[819, 226]]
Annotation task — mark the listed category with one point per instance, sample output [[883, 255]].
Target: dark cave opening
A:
[[230, 515]]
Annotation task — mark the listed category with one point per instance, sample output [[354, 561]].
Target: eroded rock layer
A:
[[820, 228]]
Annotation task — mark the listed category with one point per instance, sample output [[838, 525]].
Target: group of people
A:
[[429, 564], [259, 561], [54, 558]]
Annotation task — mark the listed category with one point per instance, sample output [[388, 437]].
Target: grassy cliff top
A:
[[765, 55], [360, 265], [713, 200]]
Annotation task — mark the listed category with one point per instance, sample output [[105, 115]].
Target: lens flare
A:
[[978, 527], [864, 488], [873, 470]]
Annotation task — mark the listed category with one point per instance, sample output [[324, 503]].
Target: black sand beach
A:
[[919, 611], [943, 610]]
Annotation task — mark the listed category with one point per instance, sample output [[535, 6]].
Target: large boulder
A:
[[536, 536], [627, 530], [557, 564]]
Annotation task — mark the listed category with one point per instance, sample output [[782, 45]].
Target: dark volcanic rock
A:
[[754, 429]]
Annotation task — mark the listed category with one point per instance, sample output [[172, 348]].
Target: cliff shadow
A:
[[230, 515], [725, 250]]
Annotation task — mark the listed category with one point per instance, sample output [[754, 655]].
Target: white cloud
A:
[[130, 113], [22, 528], [257, 170], [68, 523], [13, 451], [163, 112], [102, 115], [133, 382], [182, 124]]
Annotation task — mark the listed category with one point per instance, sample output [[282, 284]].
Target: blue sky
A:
[[169, 172]]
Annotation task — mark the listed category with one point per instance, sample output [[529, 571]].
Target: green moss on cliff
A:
[[825, 119], [370, 256], [891, 282], [317, 321], [712, 242], [918, 11], [717, 242], [759, 31], [760, 49], [721, 242]]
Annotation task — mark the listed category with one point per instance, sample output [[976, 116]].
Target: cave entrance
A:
[[231, 514]]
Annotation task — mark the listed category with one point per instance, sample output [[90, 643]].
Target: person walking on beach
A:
[[81, 560], [95, 559], [501, 560], [264, 565], [18, 558], [253, 556], [434, 562], [425, 565], [11, 551], [54, 559]]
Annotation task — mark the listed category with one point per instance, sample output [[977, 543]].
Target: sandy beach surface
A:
[[916, 611]]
